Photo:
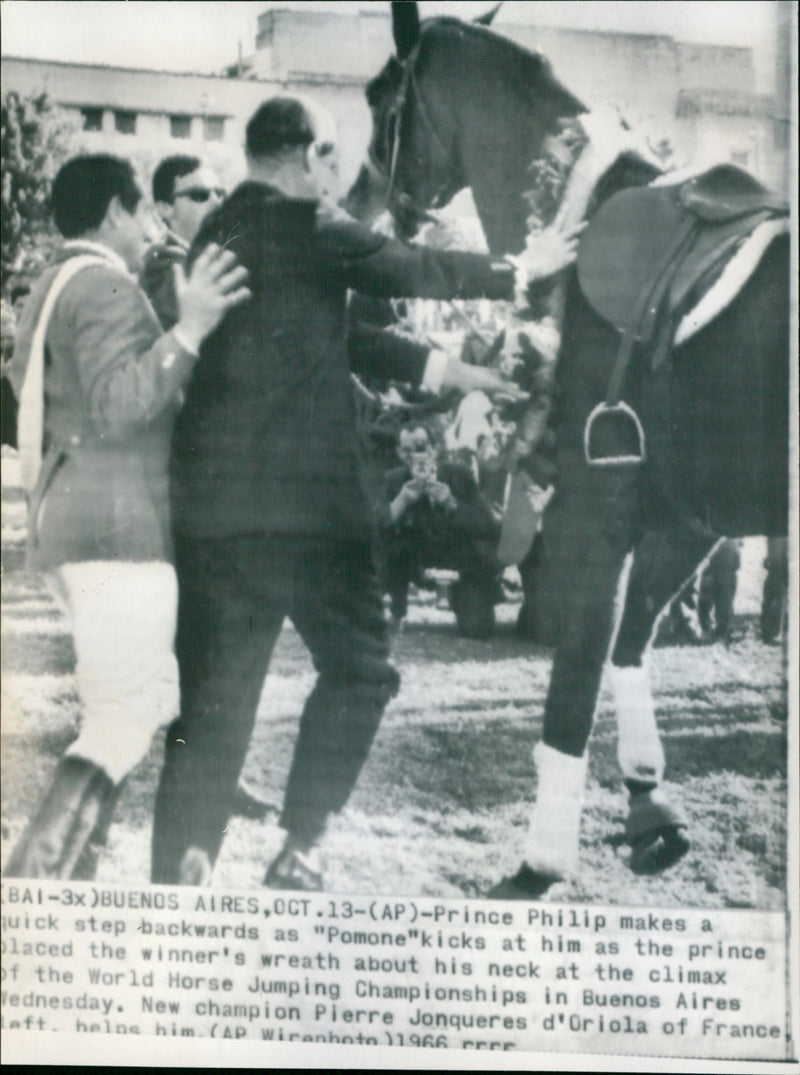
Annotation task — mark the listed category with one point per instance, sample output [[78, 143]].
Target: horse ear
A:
[[488, 18], [405, 26]]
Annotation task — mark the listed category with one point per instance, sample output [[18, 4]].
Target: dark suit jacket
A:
[[432, 524], [372, 351], [266, 439]]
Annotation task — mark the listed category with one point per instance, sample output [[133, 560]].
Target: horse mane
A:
[[538, 70], [629, 170]]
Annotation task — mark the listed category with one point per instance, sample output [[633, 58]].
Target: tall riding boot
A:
[[55, 839]]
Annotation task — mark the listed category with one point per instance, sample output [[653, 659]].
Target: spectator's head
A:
[[96, 197], [292, 141], [417, 447], [184, 191]]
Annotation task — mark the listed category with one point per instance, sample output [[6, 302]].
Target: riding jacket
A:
[[112, 385]]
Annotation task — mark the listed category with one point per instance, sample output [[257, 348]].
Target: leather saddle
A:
[[649, 250], [645, 258]]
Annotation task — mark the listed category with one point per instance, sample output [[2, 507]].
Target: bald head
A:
[[291, 143], [285, 123]]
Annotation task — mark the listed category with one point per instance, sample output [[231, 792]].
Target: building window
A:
[[740, 157], [180, 126], [125, 122], [213, 128], [92, 119]]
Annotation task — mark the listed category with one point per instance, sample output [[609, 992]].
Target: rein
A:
[[409, 85]]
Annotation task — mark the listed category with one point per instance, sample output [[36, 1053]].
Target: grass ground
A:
[[442, 803]]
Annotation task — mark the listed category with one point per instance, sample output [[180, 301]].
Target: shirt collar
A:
[[86, 246]]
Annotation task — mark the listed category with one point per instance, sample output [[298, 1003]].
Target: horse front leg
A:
[[662, 563], [586, 539]]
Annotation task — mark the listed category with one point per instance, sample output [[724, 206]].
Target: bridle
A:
[[409, 90]]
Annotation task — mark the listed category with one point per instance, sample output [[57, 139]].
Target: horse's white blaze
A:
[[552, 844], [733, 278], [639, 750]]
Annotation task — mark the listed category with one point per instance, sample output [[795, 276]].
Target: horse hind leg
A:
[[655, 829]]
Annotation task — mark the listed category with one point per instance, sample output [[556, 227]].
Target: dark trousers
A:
[[408, 554], [234, 595]]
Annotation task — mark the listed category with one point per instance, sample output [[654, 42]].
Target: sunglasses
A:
[[200, 194]]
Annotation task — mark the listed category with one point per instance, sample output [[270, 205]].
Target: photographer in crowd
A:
[[432, 514]]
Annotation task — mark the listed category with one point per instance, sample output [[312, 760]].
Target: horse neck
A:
[[497, 177], [501, 115]]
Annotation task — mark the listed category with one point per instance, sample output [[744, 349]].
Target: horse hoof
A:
[[526, 884], [657, 851]]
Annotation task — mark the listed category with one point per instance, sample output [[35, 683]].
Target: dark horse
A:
[[461, 106]]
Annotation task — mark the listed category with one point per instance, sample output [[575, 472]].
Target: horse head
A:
[[457, 105], [391, 102]]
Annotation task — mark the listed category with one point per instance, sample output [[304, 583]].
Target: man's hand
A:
[[215, 286], [439, 493], [413, 489], [546, 252], [467, 378], [409, 494]]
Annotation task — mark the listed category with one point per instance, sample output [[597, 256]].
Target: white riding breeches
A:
[[123, 623]]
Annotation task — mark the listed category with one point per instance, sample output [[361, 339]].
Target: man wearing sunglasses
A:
[[184, 191]]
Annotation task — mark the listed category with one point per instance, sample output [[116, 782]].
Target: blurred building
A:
[[698, 100]]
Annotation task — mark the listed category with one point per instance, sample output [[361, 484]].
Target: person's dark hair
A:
[[84, 187], [19, 291], [412, 423], [278, 124], [170, 169]]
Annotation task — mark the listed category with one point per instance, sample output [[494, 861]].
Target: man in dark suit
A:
[[185, 190], [432, 514], [270, 515]]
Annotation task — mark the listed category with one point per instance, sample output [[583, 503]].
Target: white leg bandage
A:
[[553, 836], [123, 621], [639, 750]]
